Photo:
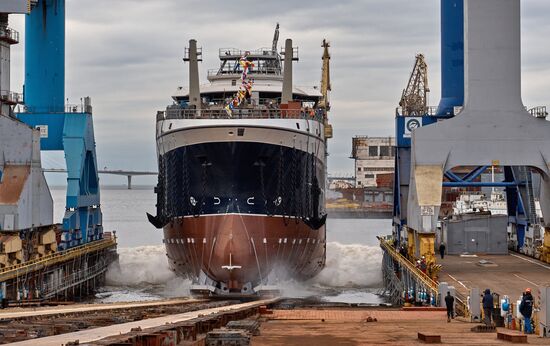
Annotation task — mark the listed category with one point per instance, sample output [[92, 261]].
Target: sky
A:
[[127, 55]]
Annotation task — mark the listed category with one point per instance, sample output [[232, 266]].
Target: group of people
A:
[[525, 308]]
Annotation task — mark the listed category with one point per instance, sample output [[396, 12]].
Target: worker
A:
[[487, 306], [403, 251], [450, 303], [442, 250], [423, 265], [526, 309]]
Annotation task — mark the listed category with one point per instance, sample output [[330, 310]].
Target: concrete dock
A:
[[504, 274], [351, 327]]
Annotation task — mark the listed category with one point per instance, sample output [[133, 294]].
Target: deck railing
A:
[[262, 70], [234, 52], [11, 97], [9, 35], [252, 113], [67, 108]]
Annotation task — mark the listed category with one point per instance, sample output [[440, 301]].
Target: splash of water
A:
[[142, 273], [352, 265], [351, 270]]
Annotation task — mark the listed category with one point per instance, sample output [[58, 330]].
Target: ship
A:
[[241, 184]]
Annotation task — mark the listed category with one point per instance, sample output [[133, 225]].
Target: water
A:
[[352, 273]]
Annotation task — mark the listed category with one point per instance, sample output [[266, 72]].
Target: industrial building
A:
[[373, 156]]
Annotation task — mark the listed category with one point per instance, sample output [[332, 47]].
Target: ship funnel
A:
[[192, 57], [287, 73]]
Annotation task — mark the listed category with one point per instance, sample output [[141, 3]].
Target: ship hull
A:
[[242, 204], [235, 253]]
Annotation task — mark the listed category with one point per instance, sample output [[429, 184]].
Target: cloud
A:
[[127, 55]]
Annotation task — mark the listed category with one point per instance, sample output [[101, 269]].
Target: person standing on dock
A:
[[442, 250], [487, 306], [450, 303], [526, 309]]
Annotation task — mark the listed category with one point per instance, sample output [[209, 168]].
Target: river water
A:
[[352, 273]]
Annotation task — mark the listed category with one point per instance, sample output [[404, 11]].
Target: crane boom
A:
[[275, 39], [414, 99], [325, 77]]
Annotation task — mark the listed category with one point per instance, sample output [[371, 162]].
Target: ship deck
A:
[[504, 274]]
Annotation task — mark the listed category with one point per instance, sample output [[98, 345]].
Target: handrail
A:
[[67, 108], [252, 113], [234, 52], [10, 96], [428, 281], [255, 71], [61, 256], [10, 34]]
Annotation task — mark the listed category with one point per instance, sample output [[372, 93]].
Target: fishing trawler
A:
[[242, 170]]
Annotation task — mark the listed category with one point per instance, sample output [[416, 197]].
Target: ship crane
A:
[[415, 96], [325, 77], [324, 103], [275, 39]]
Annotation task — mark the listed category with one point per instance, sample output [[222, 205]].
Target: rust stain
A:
[[13, 181]]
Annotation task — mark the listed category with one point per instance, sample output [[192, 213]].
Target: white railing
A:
[[9, 34], [253, 113]]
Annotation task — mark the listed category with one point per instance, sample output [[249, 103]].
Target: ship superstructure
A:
[[241, 194]]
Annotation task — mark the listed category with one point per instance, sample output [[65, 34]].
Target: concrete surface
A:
[[509, 274], [349, 327]]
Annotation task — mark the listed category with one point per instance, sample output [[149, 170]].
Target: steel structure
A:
[[452, 90], [414, 100], [61, 128], [493, 129]]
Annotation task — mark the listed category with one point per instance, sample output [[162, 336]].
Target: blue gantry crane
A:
[[518, 178], [62, 127]]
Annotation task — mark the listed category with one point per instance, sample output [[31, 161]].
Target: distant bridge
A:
[[342, 178], [128, 174]]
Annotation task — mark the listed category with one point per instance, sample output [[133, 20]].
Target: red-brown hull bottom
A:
[[238, 250]]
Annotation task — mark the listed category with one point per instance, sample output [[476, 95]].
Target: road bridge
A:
[[128, 174]]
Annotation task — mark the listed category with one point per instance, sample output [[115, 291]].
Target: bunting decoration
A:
[[246, 85]]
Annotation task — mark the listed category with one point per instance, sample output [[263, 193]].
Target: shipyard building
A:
[[374, 160]]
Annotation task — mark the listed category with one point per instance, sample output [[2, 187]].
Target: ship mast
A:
[[414, 99]]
